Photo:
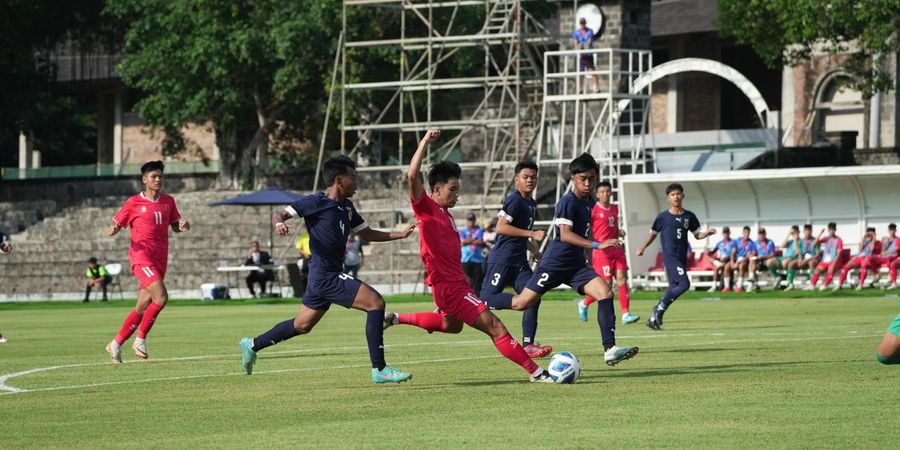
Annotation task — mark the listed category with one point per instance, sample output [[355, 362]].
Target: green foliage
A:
[[790, 31], [231, 64], [30, 100]]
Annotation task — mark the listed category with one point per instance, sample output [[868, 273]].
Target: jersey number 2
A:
[[543, 279]]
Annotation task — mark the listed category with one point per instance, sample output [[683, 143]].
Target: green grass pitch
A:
[[754, 371]]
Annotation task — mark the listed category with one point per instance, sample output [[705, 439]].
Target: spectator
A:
[[472, 240], [583, 39], [490, 238], [722, 262], [354, 257], [791, 255], [890, 247], [260, 258], [97, 277], [740, 257], [763, 258]]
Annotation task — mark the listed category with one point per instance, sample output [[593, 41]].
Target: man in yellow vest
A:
[[97, 277]]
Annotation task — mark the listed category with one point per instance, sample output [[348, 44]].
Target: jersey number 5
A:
[[678, 233]]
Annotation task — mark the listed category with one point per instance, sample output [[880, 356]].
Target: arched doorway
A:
[[839, 110]]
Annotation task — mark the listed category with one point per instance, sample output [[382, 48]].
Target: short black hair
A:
[[892, 226], [746, 228], [870, 230], [583, 163], [761, 231], [832, 226], [526, 165], [151, 166], [335, 167], [807, 227], [796, 227], [674, 187], [604, 183], [92, 260], [442, 172]]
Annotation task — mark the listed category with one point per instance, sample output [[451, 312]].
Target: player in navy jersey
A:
[[673, 226], [330, 216], [565, 260], [507, 264]]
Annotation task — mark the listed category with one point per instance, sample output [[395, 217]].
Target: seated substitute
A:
[[741, 251], [97, 277], [722, 262], [258, 257], [763, 258], [791, 255]]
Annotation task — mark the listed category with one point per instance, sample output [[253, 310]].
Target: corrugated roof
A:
[[669, 17]]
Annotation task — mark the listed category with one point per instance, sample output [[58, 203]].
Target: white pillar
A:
[[117, 128], [25, 158]]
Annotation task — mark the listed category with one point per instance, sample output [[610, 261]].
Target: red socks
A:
[[815, 279], [588, 300], [427, 321], [149, 319], [624, 301], [128, 327], [510, 348], [893, 270]]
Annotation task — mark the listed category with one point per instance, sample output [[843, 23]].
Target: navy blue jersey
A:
[[673, 231], [575, 212], [519, 212], [329, 224]]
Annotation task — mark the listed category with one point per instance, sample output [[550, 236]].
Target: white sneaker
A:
[[836, 288], [892, 287], [115, 352], [712, 289], [823, 287], [809, 287], [858, 287], [789, 287], [2, 339], [140, 348]]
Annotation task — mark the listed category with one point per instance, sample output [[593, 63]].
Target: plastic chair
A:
[[114, 270]]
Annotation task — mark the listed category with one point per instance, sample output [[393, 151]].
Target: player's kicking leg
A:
[[679, 283], [606, 320], [498, 278]]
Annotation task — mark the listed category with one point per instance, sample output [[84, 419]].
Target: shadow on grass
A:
[[717, 368]]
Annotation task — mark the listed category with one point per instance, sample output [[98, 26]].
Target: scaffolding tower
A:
[[500, 104]]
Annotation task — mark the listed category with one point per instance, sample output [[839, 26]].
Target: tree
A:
[[30, 100], [786, 32], [254, 71]]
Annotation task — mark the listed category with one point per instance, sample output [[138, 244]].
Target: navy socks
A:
[[375, 338], [606, 319], [530, 323], [280, 332]]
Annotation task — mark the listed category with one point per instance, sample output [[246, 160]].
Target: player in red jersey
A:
[[869, 247], [890, 249], [150, 214], [440, 250], [609, 260]]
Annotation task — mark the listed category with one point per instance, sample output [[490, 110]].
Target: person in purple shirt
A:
[[763, 258]]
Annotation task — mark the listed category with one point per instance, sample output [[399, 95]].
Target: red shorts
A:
[[147, 274], [458, 301], [607, 263], [861, 260], [879, 261], [825, 265]]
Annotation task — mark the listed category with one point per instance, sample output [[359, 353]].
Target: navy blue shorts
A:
[[325, 288], [498, 276], [544, 280], [676, 271]]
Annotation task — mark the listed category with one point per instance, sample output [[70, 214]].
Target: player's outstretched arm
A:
[[650, 239], [371, 235], [278, 221], [415, 164]]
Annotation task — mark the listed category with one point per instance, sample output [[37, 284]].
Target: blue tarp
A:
[[268, 196]]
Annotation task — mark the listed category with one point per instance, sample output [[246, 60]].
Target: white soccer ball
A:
[[564, 368]]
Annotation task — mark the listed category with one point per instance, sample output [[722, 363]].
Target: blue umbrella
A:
[[269, 196]]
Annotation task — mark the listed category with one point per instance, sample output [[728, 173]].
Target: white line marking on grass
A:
[[14, 390]]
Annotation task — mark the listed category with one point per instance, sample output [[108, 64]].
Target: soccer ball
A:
[[564, 368]]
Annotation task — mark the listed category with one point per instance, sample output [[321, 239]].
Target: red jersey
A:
[[149, 221], [605, 225], [438, 242]]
